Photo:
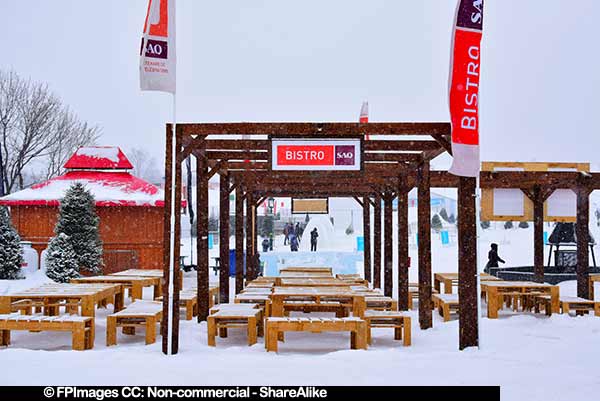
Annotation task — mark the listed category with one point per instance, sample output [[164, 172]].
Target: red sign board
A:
[[302, 154]]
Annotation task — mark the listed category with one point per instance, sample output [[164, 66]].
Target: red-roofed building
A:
[[131, 210]]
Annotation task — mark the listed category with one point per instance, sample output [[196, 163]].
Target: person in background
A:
[[314, 234], [297, 232], [493, 258], [270, 241], [293, 242], [286, 233], [265, 245]]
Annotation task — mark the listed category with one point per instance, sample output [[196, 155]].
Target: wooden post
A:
[[239, 239], [388, 237], [224, 237], [538, 233], [583, 236], [255, 255], [467, 264], [249, 231], [402, 248], [424, 242], [202, 237], [377, 243], [167, 246], [367, 236]]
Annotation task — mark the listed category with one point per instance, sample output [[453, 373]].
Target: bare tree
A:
[[35, 126], [144, 165]]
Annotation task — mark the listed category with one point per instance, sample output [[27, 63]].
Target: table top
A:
[[294, 274], [115, 279], [248, 296], [140, 273], [454, 276], [314, 291], [595, 277], [312, 282], [516, 284], [309, 269], [61, 290]]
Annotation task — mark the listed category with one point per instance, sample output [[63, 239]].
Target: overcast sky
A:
[[274, 60]]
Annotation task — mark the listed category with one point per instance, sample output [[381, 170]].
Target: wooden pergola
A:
[[396, 160]]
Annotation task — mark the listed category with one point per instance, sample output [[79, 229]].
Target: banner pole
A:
[[172, 228], [477, 255]]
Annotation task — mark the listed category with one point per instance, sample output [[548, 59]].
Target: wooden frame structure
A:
[[395, 161]]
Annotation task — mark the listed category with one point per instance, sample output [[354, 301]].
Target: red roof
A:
[[99, 158], [108, 188]]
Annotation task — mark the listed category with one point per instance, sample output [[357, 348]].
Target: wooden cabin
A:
[[131, 210]]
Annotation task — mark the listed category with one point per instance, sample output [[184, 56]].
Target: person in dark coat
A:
[[297, 232], [293, 243], [493, 258], [286, 233], [265, 245], [314, 234]]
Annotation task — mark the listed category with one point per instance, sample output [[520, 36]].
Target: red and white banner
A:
[[464, 88], [323, 155], [364, 113], [157, 53]]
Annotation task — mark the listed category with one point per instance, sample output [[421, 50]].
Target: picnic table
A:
[[134, 284], [319, 296], [294, 274], [593, 278], [154, 273], [494, 289], [311, 282], [307, 269], [49, 295], [450, 279]]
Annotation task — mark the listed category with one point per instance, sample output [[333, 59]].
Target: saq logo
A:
[[470, 14], [158, 18], [344, 155]]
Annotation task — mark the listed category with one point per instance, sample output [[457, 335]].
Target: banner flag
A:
[[364, 113], [464, 88], [157, 53]]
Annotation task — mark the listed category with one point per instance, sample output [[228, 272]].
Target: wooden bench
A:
[[229, 317], [381, 303], [579, 305], [413, 294], [276, 326], [82, 328], [138, 314], [189, 301], [445, 303], [396, 320]]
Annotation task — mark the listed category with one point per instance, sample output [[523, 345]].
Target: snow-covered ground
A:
[[530, 356]]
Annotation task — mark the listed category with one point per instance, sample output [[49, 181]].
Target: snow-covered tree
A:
[[444, 215], [451, 219], [11, 254], [61, 259], [78, 220]]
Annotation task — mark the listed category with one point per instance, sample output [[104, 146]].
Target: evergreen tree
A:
[[508, 225], [451, 219], [78, 220], [436, 223], [11, 254], [61, 259], [485, 224], [523, 224], [444, 215], [213, 223]]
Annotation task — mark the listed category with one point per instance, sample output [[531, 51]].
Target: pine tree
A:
[[523, 224], [451, 219], [436, 223], [78, 220], [11, 254], [61, 259]]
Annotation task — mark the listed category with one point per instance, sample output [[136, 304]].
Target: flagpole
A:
[[477, 256], [173, 207]]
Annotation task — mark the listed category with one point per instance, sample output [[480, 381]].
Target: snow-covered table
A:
[[156, 273], [450, 279], [311, 282], [494, 289], [304, 274], [319, 296], [134, 284]]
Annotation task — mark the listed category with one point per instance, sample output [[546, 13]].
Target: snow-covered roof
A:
[[99, 157], [108, 188]]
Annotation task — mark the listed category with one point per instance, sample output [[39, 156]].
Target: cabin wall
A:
[[132, 236]]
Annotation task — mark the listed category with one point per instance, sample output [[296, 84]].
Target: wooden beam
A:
[[249, 232], [377, 242], [444, 142], [403, 257], [236, 155], [467, 264], [583, 247], [391, 157], [367, 237], [202, 238], [388, 236], [400, 145], [424, 243], [239, 239], [224, 238]]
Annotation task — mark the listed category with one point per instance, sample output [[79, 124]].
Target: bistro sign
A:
[[316, 155]]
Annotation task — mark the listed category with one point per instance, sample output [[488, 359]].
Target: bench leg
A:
[[90, 335], [353, 339], [398, 332], [271, 340], [251, 331], [189, 310], [79, 337], [261, 326], [223, 332], [369, 334], [4, 337], [111, 331], [597, 309], [407, 331], [361, 335], [565, 307], [150, 330], [119, 303], [446, 312], [212, 331]]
